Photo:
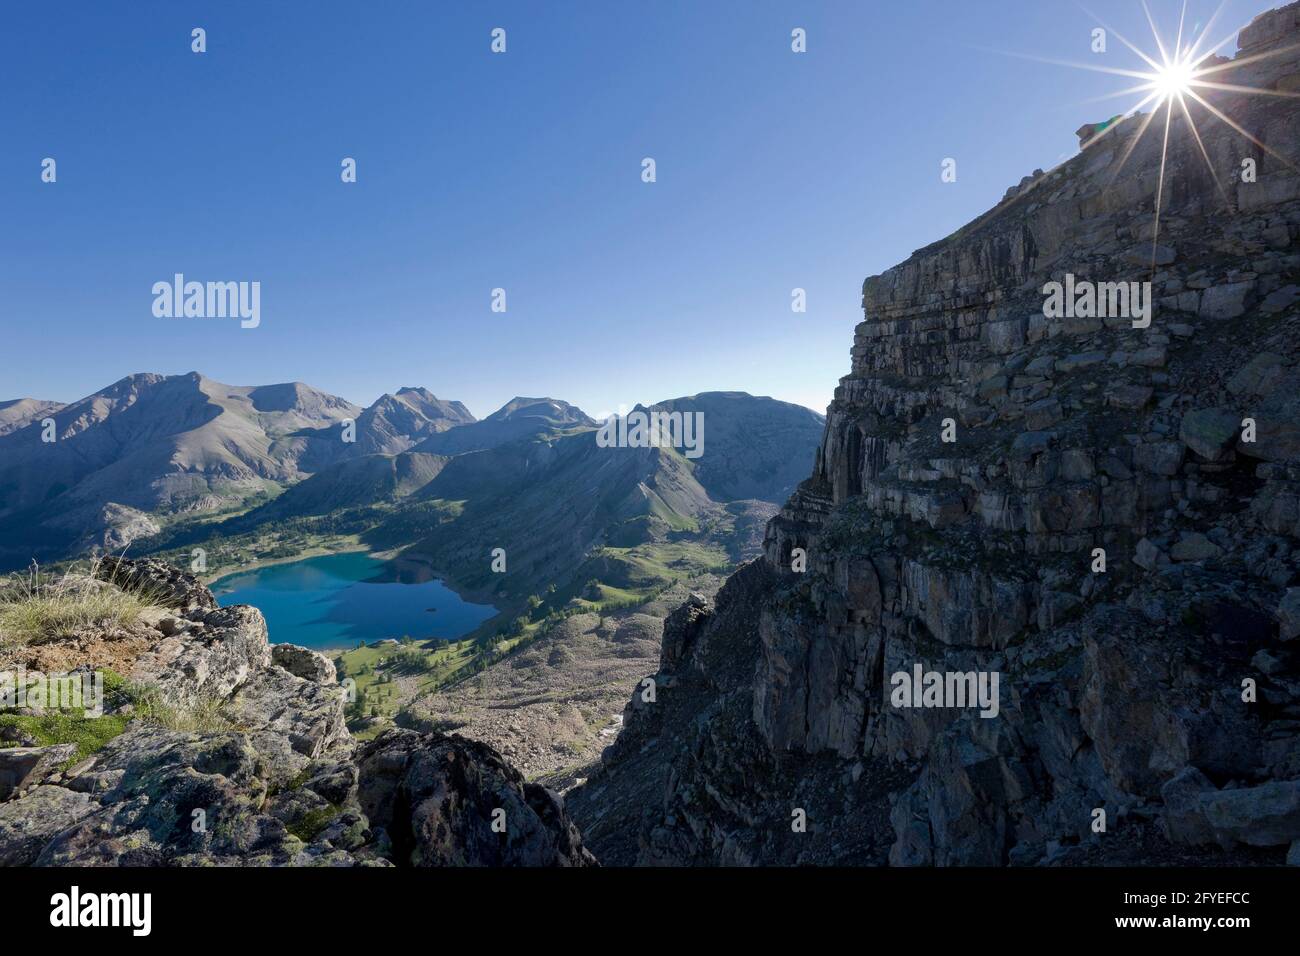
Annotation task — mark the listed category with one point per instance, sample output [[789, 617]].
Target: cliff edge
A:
[[1077, 509]]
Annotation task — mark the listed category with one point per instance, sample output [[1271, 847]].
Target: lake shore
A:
[[336, 600], [210, 579]]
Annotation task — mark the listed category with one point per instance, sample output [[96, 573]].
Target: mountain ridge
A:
[[156, 444]]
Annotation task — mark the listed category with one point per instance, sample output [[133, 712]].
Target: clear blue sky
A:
[[522, 171]]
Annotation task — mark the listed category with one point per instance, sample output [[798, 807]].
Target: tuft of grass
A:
[[203, 716], [68, 727], [34, 610], [91, 733]]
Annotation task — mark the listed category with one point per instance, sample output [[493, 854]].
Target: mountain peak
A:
[[425, 404], [293, 396], [553, 410]]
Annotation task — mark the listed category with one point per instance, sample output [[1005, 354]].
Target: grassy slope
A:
[[390, 676]]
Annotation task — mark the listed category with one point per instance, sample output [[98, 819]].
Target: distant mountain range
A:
[[154, 452]]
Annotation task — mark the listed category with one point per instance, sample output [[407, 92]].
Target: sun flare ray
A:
[[1177, 72], [1205, 31], [1191, 125], [1242, 130], [1234, 88], [1122, 39], [1242, 61], [1160, 183], [1155, 32], [1137, 138]]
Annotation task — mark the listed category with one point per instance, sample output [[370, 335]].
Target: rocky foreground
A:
[[1104, 514], [242, 757]]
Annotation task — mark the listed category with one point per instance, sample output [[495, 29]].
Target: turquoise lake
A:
[[337, 600]]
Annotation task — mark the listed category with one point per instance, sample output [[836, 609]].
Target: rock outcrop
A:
[[1102, 513], [444, 801], [234, 752]]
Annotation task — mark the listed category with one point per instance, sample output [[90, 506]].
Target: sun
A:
[[1175, 77], [1178, 75]]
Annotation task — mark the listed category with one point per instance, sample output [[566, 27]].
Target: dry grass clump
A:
[[36, 608], [200, 716]]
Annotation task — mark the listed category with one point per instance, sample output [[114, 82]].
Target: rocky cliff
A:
[[1101, 512], [217, 748]]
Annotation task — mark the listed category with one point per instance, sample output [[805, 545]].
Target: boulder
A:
[[29, 823], [1147, 555], [1130, 397], [680, 630], [1210, 432], [1280, 300], [22, 767], [446, 801], [1194, 546], [168, 586], [1258, 376], [289, 721], [1029, 444], [1184, 817], [1126, 709], [1226, 301], [1080, 360], [1153, 357], [1263, 815], [304, 663], [1159, 458], [1277, 420], [1006, 336], [1043, 414]]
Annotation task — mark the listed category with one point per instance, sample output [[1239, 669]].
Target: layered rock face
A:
[[1098, 512], [235, 752]]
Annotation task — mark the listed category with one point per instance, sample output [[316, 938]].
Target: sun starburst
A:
[[1175, 76]]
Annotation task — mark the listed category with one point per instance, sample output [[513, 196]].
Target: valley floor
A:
[[550, 706]]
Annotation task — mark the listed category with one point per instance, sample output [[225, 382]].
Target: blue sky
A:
[[521, 171]]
